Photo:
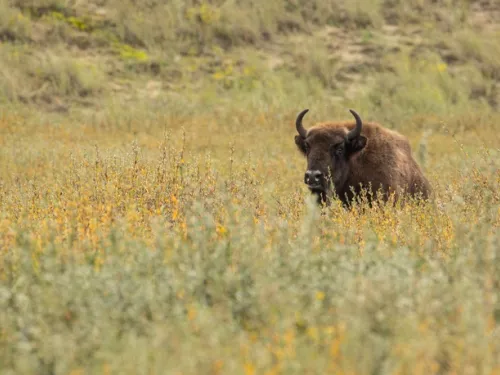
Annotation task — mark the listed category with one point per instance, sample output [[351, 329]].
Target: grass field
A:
[[153, 218]]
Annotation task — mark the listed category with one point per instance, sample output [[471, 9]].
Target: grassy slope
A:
[[152, 215]]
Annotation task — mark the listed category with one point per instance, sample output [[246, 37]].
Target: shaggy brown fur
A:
[[376, 156]]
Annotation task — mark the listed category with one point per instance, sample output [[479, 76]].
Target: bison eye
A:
[[307, 147], [338, 149]]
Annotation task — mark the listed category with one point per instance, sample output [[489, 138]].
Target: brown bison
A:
[[344, 157]]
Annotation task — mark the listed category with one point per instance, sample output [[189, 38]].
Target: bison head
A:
[[328, 150]]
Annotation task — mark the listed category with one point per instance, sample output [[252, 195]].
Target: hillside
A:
[[65, 55]]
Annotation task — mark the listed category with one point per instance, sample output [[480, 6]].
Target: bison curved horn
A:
[[298, 123], [356, 132]]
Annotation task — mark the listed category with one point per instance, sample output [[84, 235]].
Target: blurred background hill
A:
[[394, 58]]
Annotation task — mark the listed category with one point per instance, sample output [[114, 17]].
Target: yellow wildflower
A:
[[320, 296], [441, 67], [249, 368]]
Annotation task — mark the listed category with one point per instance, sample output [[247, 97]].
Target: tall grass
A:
[[31, 77], [126, 256]]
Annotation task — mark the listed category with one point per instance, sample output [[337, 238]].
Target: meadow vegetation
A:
[[153, 217]]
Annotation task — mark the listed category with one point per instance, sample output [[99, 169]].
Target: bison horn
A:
[[298, 123], [356, 132]]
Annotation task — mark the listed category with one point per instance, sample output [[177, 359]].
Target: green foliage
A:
[[444, 15], [77, 23], [314, 61], [14, 25], [481, 48], [34, 77], [231, 76], [38, 8], [425, 85], [364, 13], [130, 53]]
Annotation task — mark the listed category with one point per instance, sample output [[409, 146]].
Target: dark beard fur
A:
[[320, 195]]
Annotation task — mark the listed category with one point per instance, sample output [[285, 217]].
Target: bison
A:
[[344, 157]]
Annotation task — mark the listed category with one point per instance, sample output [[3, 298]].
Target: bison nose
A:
[[313, 177]]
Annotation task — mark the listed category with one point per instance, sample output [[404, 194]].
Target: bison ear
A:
[[357, 144], [300, 142]]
